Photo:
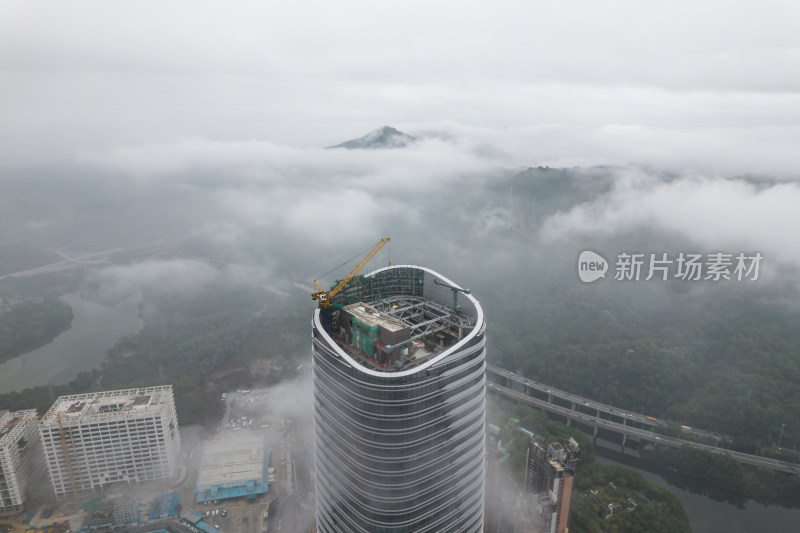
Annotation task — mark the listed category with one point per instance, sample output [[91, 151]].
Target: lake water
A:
[[710, 516], [95, 328]]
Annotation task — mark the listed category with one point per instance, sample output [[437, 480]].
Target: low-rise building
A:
[[233, 466]]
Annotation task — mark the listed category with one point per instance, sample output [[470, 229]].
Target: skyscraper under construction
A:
[[399, 405], [100, 439], [20, 452]]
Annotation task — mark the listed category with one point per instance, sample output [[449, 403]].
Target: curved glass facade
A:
[[400, 448]]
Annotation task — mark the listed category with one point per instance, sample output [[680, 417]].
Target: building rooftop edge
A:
[[479, 323], [14, 423], [82, 404]]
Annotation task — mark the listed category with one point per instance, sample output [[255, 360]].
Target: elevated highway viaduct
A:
[[598, 416]]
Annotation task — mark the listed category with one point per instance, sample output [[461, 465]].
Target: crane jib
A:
[[325, 297]]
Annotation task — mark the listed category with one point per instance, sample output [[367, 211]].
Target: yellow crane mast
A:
[[325, 297], [69, 464]]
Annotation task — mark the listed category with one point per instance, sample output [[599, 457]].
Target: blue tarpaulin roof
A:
[[202, 526], [250, 488]]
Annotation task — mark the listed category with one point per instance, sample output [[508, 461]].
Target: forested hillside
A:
[[31, 324]]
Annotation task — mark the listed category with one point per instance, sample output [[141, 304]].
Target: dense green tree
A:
[[657, 510], [31, 324]]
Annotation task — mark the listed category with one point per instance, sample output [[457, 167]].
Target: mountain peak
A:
[[385, 137]]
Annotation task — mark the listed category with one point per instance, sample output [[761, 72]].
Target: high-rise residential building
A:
[[399, 405], [20, 457], [115, 437], [549, 475]]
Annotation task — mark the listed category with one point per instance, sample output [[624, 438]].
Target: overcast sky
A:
[[712, 85]]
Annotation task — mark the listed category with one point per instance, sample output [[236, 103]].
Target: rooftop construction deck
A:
[[100, 405], [397, 318], [8, 422], [13, 425]]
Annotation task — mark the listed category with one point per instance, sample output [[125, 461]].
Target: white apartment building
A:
[[115, 437], [20, 457]]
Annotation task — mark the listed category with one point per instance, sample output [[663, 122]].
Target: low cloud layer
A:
[[582, 83], [173, 276], [713, 213], [312, 196]]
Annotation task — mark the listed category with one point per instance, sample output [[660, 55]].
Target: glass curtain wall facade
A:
[[401, 449]]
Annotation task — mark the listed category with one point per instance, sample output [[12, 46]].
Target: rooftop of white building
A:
[[108, 404]]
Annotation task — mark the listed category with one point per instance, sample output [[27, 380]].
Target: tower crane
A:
[[324, 298], [455, 290]]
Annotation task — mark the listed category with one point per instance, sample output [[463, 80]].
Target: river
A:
[[95, 328], [710, 516]]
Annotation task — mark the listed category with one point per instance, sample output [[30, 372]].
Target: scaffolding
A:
[[398, 331], [20, 453], [397, 318], [364, 336], [102, 438], [424, 317], [390, 282]]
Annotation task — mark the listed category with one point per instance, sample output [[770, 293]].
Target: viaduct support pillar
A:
[[594, 436], [624, 440]]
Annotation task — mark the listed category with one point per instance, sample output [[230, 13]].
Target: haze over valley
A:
[[172, 185]]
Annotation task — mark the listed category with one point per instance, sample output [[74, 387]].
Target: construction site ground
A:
[[289, 492]]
